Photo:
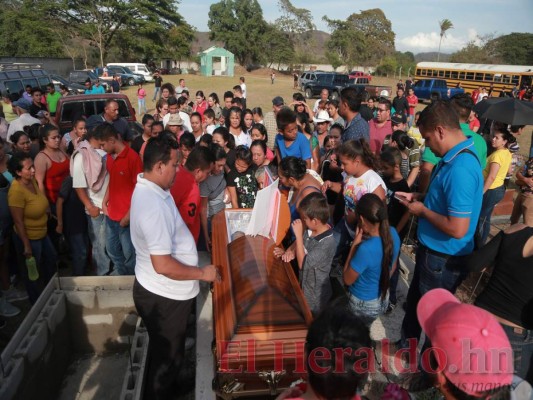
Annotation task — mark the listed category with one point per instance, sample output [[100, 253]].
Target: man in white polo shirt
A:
[[166, 265]]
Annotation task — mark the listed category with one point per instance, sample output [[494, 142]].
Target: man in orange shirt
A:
[[186, 189], [123, 165]]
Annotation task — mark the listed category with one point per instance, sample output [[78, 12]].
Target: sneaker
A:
[[12, 294], [7, 309]]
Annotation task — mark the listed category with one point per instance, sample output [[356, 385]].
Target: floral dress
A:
[[245, 185]]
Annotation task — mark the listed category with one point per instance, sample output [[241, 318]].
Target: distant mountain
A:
[[202, 42], [316, 46], [432, 56]]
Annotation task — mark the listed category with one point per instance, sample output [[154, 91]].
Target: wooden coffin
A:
[[260, 316]]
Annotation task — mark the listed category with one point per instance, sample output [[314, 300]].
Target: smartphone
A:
[[400, 197]]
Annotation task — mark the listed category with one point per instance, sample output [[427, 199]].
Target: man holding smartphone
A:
[[448, 213]]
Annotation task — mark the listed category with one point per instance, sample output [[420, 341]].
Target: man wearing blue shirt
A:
[[349, 106], [448, 214]]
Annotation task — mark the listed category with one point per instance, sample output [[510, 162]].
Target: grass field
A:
[[261, 92]]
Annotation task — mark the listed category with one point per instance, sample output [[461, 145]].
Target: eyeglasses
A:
[[382, 110]]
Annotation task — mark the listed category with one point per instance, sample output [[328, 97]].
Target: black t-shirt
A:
[[395, 208], [115, 85], [34, 109], [137, 143], [366, 113], [508, 294], [400, 104], [74, 217], [332, 175], [245, 185], [157, 81]]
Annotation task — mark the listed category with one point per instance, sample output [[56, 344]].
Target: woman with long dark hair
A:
[[372, 261]]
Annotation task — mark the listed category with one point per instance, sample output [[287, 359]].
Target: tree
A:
[[101, 21], [297, 24], [21, 35], [445, 25], [388, 66], [471, 53], [363, 39], [515, 48], [240, 25], [277, 48]]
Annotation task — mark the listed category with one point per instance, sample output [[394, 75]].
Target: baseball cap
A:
[[174, 119], [471, 348], [278, 101], [22, 103], [398, 118]]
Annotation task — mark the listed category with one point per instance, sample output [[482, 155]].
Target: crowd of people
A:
[[356, 171]]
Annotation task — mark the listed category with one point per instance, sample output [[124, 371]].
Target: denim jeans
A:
[[46, 260], [490, 199], [120, 248], [410, 120], [97, 236], [368, 310], [522, 344], [78, 243], [156, 92], [142, 106], [432, 271]]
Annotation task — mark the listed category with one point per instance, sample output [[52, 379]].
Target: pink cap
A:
[[471, 347]]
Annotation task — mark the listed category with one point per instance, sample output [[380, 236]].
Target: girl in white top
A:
[[235, 128], [360, 178]]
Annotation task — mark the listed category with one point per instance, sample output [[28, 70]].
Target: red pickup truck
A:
[[359, 74]]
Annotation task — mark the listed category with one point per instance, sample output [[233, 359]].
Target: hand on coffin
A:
[[210, 274], [285, 255]]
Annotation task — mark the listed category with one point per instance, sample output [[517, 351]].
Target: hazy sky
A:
[[415, 22]]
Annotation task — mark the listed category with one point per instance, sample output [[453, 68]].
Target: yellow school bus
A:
[[475, 76]]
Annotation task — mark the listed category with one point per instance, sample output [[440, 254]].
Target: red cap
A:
[[472, 349]]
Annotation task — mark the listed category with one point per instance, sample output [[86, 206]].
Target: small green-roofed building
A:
[[216, 61]]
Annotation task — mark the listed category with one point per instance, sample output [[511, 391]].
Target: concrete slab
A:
[[87, 377]]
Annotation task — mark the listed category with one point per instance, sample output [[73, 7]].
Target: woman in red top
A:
[[51, 164], [201, 104]]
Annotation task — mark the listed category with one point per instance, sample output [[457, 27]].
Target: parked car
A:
[[306, 77], [434, 89], [327, 80], [15, 77], [71, 107], [127, 77], [360, 74], [136, 68], [80, 76], [73, 88]]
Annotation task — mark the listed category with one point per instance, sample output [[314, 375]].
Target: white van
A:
[[136, 68]]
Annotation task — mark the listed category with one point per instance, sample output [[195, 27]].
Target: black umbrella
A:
[[508, 110], [484, 105]]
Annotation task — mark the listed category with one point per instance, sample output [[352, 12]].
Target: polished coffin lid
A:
[[258, 305]]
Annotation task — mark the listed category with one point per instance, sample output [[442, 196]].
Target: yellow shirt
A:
[[503, 158], [8, 112], [34, 206]]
